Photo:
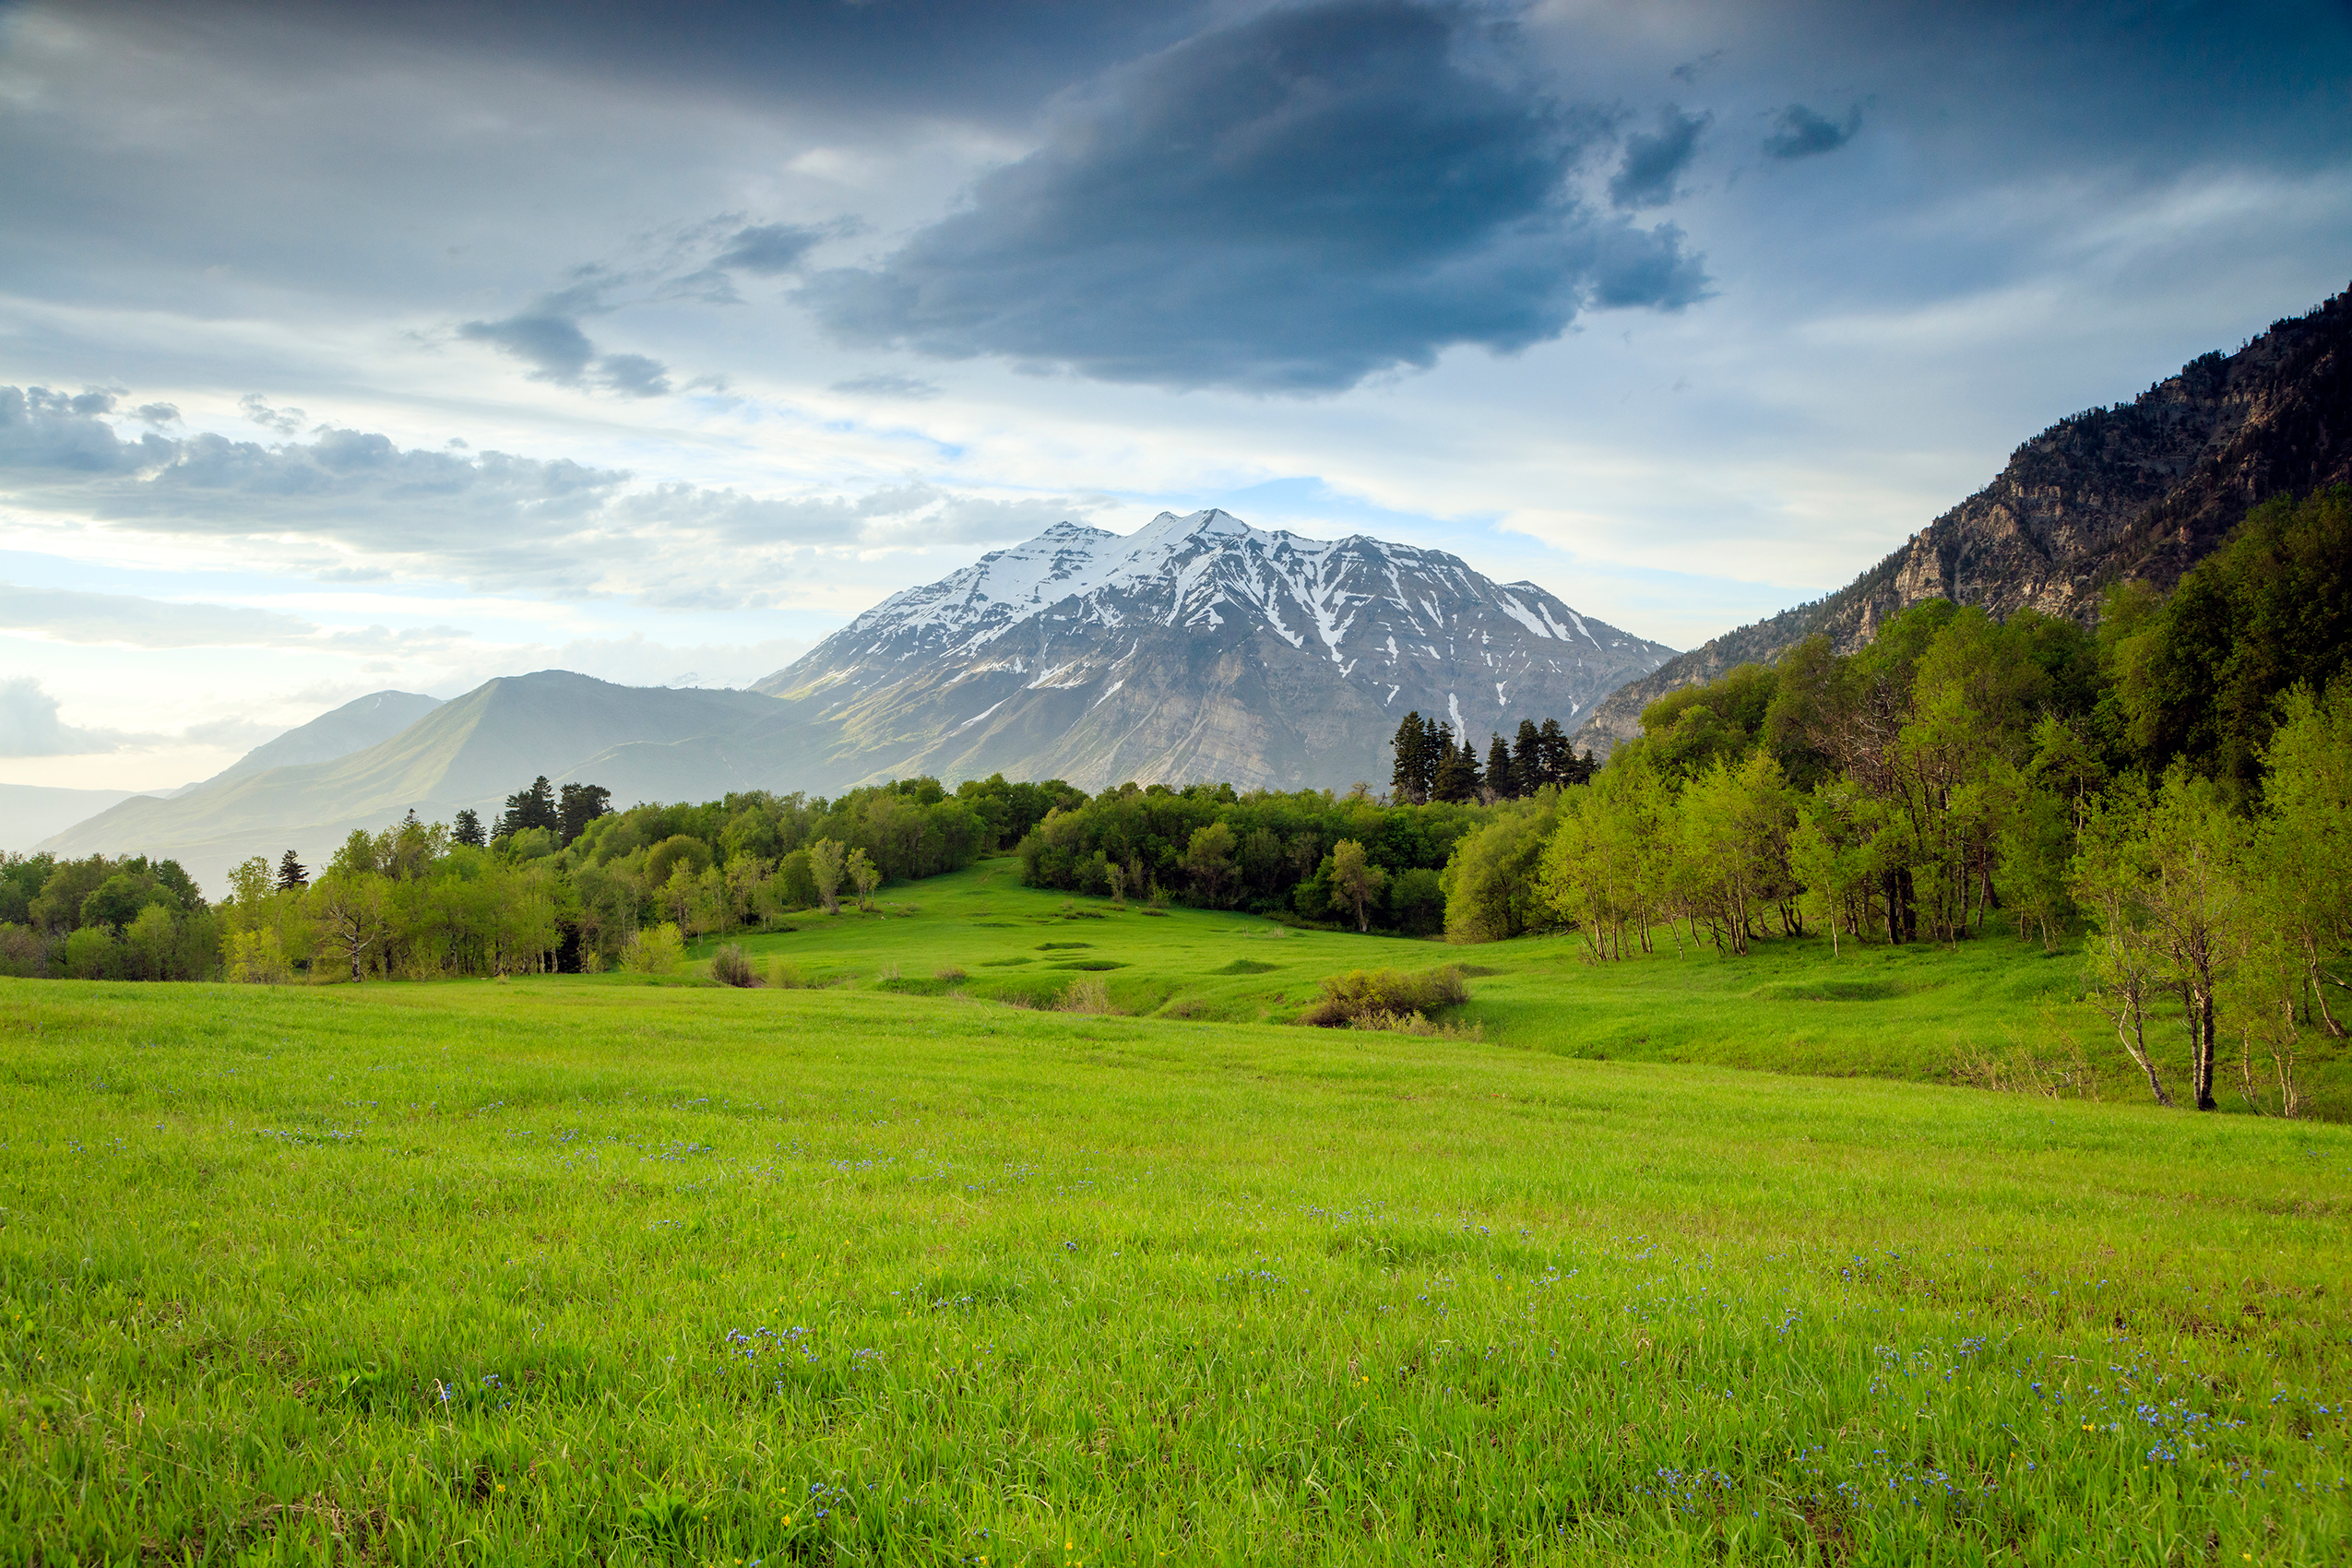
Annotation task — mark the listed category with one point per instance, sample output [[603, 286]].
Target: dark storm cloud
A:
[[1293, 203], [846, 57], [1654, 160], [770, 248], [1798, 131]]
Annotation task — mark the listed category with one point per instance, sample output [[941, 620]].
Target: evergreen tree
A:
[[534, 807], [468, 829], [1406, 771], [1420, 747], [582, 803], [1559, 757], [1526, 759], [1501, 777], [291, 873], [1458, 771]]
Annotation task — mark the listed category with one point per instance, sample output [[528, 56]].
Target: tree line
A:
[[1307, 854], [561, 882]]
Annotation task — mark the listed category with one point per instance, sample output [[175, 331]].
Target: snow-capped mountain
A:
[[1197, 648]]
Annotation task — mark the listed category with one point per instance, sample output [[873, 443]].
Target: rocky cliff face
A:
[[2144, 489], [1197, 648]]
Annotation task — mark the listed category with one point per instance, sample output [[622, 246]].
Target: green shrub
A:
[[92, 953], [1415, 1024], [730, 966], [22, 952], [1363, 992], [655, 951]]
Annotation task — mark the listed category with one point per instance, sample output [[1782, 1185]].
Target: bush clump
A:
[[731, 966], [1363, 993], [654, 952], [1415, 1024]]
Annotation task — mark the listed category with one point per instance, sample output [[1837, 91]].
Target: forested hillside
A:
[[2140, 490], [2178, 784]]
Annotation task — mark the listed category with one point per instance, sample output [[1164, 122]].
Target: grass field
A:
[[1920, 1012], [581, 1270]]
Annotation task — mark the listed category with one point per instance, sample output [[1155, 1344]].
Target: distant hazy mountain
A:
[[1197, 648], [2144, 488], [357, 725], [29, 812], [473, 750]]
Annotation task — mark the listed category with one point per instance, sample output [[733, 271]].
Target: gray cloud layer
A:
[[489, 518], [1293, 203]]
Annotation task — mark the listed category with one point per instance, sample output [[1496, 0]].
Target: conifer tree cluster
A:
[[1430, 766]]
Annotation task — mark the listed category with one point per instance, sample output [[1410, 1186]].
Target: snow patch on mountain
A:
[[1195, 571]]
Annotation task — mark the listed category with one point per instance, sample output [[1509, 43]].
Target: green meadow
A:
[[1990, 1011], [883, 1266]]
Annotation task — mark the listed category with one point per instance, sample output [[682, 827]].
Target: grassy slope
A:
[[1915, 1011], [449, 1273]]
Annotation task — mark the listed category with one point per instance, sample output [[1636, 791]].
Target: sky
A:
[[412, 343]]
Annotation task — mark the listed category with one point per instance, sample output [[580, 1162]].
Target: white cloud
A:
[[29, 726]]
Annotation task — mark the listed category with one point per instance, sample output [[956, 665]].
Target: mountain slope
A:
[[29, 812], [2144, 489], [1198, 648], [357, 725], [473, 750]]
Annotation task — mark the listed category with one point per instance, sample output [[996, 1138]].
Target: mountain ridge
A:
[[2142, 489], [355, 726]]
